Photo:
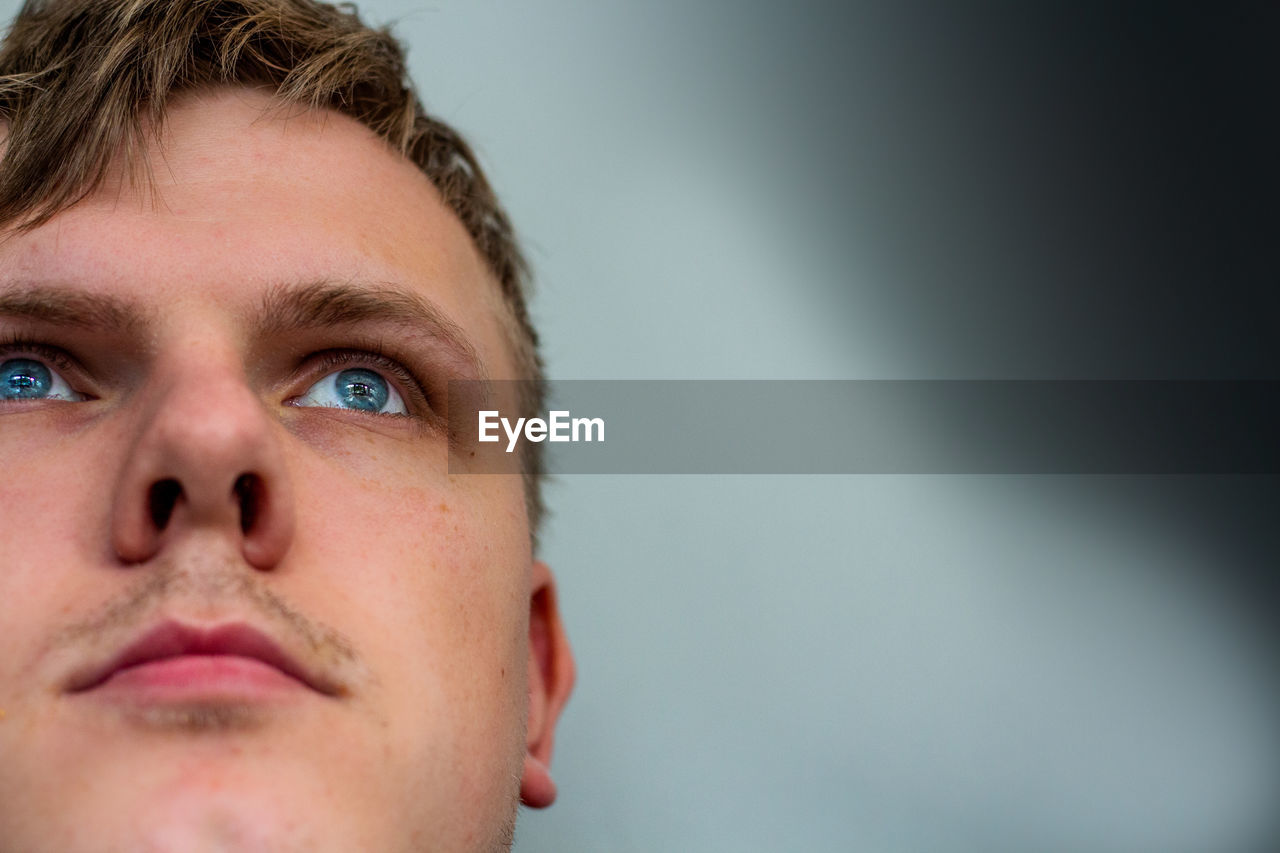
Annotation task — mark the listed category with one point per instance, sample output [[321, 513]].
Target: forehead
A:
[[238, 197]]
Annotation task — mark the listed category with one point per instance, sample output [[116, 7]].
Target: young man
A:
[[246, 605]]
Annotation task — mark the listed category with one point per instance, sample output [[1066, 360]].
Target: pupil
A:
[[23, 379], [362, 389]]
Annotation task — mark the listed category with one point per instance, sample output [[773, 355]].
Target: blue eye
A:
[[27, 379], [357, 388]]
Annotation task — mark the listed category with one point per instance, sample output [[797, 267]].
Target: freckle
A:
[[3, 713], [444, 507]]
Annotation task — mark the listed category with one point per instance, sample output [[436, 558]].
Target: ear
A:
[[551, 674]]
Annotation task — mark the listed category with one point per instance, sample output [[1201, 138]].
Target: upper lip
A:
[[173, 639]]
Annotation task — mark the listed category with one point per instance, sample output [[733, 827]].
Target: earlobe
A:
[[551, 676], [537, 790]]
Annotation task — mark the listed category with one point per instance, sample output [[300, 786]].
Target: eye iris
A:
[[362, 389], [23, 379]]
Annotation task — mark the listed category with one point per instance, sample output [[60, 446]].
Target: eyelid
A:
[[13, 346], [16, 345], [410, 387]]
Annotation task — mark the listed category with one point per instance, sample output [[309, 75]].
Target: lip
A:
[[177, 661]]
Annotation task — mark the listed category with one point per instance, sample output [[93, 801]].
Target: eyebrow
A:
[[315, 305], [324, 304], [77, 309]]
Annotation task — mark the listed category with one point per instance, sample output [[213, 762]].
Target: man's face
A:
[[244, 603]]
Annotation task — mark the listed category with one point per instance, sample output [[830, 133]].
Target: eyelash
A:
[[371, 354], [14, 345]]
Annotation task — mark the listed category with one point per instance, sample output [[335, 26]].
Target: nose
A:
[[204, 455]]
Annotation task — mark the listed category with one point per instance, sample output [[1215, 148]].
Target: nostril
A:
[[248, 491], [161, 500]]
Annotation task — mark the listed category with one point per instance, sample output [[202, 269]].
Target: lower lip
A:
[[200, 678]]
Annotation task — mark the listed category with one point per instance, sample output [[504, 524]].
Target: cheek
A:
[[48, 477], [434, 568], [55, 522], [430, 581]]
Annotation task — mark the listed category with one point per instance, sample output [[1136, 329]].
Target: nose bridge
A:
[[204, 415], [205, 454]]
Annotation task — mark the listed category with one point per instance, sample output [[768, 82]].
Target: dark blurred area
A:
[[1080, 191], [1073, 190]]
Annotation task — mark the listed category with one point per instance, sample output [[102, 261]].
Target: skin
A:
[[412, 589]]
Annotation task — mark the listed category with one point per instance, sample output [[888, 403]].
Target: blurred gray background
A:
[[956, 190], [807, 190]]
